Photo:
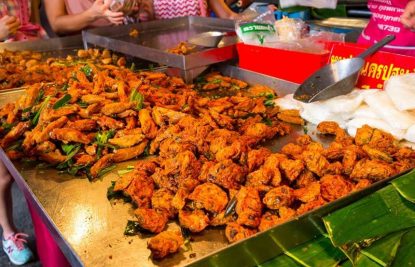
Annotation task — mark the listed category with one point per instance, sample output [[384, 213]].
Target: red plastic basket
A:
[[284, 64]]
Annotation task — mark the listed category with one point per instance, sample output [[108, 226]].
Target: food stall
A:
[[83, 206]]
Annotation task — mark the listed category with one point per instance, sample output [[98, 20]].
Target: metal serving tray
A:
[[155, 37], [54, 47], [89, 229]]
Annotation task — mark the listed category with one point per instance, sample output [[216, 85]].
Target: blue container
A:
[[304, 15]]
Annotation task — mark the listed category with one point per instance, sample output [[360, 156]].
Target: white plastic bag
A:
[[401, 90], [311, 3], [259, 30]]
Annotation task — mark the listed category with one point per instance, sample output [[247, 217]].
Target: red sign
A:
[[378, 68]]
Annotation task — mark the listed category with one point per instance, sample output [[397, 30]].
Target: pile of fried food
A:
[[206, 163], [182, 48], [23, 68]]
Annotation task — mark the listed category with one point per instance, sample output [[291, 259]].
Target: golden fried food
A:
[[291, 168], [226, 174], [309, 192], [196, 221], [235, 232], [140, 189], [248, 207], [67, 135], [151, 220], [127, 140], [161, 200], [210, 197], [165, 243], [374, 170], [334, 187], [182, 48], [278, 197]]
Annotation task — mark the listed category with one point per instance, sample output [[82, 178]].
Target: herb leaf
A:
[[62, 101], [138, 98], [132, 228], [35, 119], [111, 194], [87, 70]]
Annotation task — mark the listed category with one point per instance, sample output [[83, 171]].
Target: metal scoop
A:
[[209, 39], [338, 78]]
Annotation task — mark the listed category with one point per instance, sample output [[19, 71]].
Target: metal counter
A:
[[89, 229]]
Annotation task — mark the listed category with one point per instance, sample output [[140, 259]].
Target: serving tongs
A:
[[338, 78]]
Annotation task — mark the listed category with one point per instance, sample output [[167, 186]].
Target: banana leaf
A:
[[280, 261], [383, 251], [317, 252], [372, 217], [406, 251], [406, 185], [363, 261]]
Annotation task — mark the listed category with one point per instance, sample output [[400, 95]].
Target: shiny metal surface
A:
[[89, 229], [211, 39], [155, 37]]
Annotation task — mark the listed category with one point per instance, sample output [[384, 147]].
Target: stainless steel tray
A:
[[156, 37], [89, 230], [54, 47]]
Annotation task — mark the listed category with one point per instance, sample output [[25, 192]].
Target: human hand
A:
[[101, 9], [408, 16], [8, 26]]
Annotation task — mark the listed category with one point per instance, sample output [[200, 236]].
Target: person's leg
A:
[[6, 212], [14, 244]]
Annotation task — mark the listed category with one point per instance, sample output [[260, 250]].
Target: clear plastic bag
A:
[[255, 28]]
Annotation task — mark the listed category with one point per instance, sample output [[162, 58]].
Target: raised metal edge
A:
[[105, 37], [47, 45], [63, 244]]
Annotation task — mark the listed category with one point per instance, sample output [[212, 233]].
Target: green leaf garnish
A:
[[35, 119], [87, 70], [62, 101], [111, 194], [133, 228], [106, 170], [137, 98], [269, 103]]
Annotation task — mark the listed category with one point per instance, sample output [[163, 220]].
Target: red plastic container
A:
[[284, 64]]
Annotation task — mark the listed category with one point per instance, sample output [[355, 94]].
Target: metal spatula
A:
[[338, 78], [209, 39]]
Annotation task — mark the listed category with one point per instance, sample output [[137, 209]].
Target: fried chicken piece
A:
[[303, 140], [248, 207], [361, 184], [334, 168], [15, 133], [210, 197], [256, 158], [258, 178], [308, 193], [148, 126], [226, 174], [49, 115], [115, 108], [45, 147], [140, 189], [151, 220], [127, 140], [125, 154], [315, 162], [91, 149], [14, 154], [52, 157], [363, 135], [82, 125], [101, 164], [349, 159], [334, 186], [67, 135], [196, 221], [165, 243], [271, 168], [383, 141], [373, 170], [291, 116], [377, 154], [125, 180], [268, 220], [220, 219], [261, 131], [404, 153], [306, 207], [162, 200], [291, 168], [109, 123], [84, 159], [42, 136], [292, 150], [235, 232], [328, 127], [92, 99], [305, 178], [279, 197], [163, 116]]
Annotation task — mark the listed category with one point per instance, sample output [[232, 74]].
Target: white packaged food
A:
[[383, 106], [401, 90]]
